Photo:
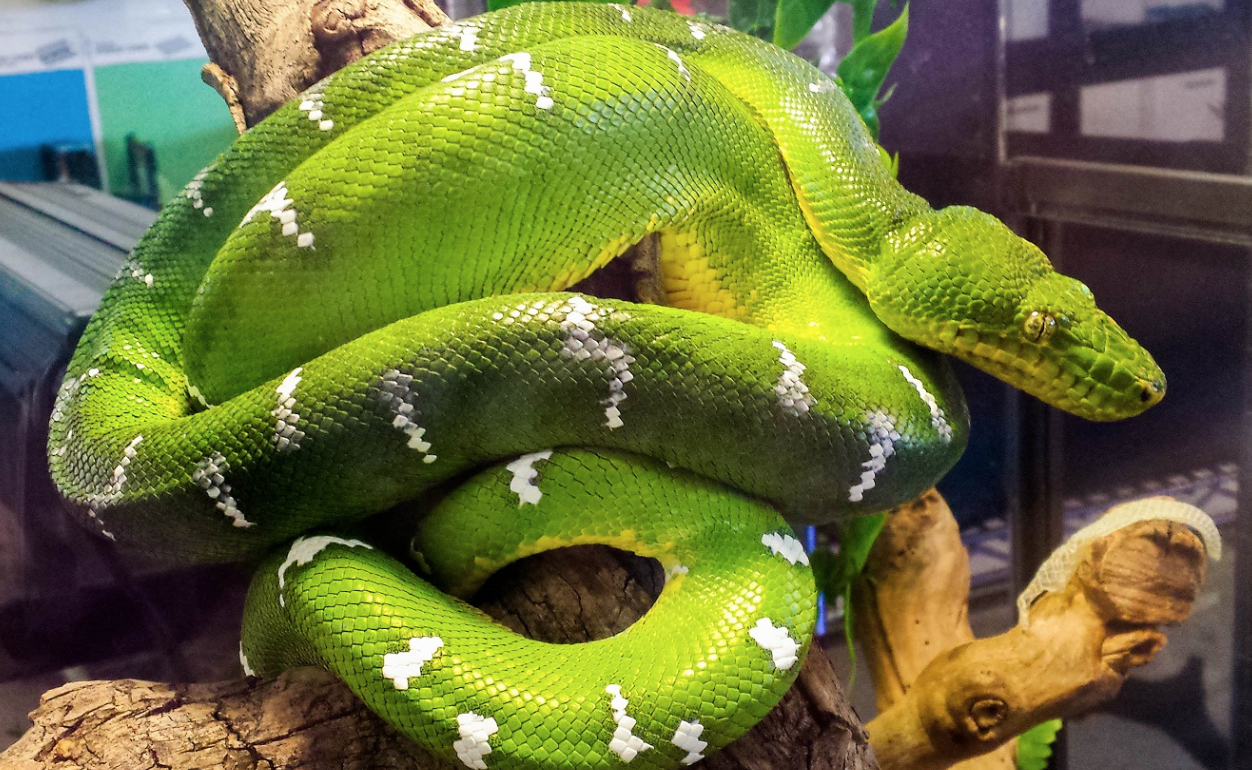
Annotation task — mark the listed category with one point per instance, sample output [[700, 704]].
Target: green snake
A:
[[367, 301]]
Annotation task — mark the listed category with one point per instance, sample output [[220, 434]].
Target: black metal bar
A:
[[1241, 535], [1214, 207]]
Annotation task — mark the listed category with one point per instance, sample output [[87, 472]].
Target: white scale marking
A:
[[937, 418], [822, 86], [280, 207], [697, 29], [583, 342], [303, 551], [210, 475], [399, 397], [793, 394], [534, 80], [625, 743], [94, 513], [139, 274], [119, 473], [777, 641], [194, 193], [314, 108], [687, 738], [469, 38], [286, 435], [786, 546], [882, 438], [524, 475], [674, 57], [243, 661], [625, 13], [65, 396], [475, 729], [114, 488], [400, 667]]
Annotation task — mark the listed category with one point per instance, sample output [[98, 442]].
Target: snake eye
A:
[[1039, 326]]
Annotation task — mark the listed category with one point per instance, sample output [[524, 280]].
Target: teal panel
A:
[[166, 105]]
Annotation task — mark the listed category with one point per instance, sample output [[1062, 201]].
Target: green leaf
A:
[[862, 18], [834, 572], [756, 17], [863, 70], [892, 162], [1034, 746], [856, 537], [794, 19]]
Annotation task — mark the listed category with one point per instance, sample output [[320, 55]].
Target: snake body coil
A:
[[365, 299]]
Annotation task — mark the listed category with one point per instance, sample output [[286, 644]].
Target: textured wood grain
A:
[[308, 720], [947, 698]]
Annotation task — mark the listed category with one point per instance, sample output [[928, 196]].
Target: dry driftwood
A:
[[262, 54], [944, 696], [308, 720]]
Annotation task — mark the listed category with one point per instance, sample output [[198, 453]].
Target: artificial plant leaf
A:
[[834, 572], [864, 69], [1034, 747], [856, 537], [756, 17], [862, 18], [794, 19]]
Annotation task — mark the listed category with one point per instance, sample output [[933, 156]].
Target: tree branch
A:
[[945, 697], [309, 720]]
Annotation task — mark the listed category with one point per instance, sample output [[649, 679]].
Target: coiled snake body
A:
[[364, 299]]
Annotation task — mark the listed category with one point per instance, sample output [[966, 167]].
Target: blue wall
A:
[[40, 108]]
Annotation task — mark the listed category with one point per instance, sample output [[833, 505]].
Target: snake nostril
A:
[[1145, 394]]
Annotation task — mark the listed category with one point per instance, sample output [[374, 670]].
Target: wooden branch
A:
[[262, 54], [309, 720], [945, 697]]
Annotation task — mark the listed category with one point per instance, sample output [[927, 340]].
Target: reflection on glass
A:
[[1113, 13], [1029, 114], [1185, 107], [1026, 19]]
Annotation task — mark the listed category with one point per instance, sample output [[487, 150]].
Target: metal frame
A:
[[1050, 193], [1074, 55]]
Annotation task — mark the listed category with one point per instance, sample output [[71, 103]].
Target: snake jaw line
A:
[[995, 302]]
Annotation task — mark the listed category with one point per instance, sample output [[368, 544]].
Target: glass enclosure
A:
[[1124, 151], [1115, 134]]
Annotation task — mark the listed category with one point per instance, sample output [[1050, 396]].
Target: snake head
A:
[[960, 282]]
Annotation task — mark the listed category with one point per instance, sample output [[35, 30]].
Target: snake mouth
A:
[[1099, 385]]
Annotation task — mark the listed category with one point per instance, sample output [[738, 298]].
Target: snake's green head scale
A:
[[960, 282]]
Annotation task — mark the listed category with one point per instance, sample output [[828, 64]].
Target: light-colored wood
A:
[[309, 720], [945, 697], [262, 54]]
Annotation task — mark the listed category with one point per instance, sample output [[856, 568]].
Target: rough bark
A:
[[264, 53], [944, 696], [308, 720]]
